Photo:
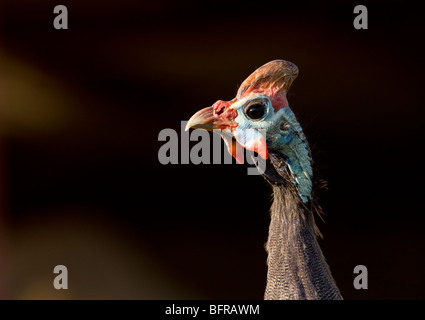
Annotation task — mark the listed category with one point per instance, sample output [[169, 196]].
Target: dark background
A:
[[80, 114]]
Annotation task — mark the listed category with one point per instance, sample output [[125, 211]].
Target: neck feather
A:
[[296, 266]]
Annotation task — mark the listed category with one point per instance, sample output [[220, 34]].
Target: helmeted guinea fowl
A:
[[296, 266]]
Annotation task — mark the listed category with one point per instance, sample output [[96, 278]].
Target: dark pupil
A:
[[256, 111]]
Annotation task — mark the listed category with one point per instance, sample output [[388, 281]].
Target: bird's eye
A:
[[255, 111]]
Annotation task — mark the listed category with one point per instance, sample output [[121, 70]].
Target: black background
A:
[[81, 110]]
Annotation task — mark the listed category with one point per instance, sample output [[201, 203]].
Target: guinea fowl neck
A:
[[296, 266]]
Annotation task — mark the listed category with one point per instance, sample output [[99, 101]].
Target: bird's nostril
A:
[[219, 107], [220, 111]]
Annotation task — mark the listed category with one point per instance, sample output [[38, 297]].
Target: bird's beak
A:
[[203, 119], [208, 119]]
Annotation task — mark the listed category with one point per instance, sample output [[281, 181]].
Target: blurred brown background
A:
[[80, 113]]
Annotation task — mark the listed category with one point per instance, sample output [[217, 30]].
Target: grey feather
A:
[[297, 268]]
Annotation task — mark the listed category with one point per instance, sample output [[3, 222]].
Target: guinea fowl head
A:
[[259, 119]]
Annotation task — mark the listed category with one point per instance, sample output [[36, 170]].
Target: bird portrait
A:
[[208, 155], [259, 119]]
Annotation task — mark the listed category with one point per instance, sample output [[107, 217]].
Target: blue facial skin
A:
[[284, 135]]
